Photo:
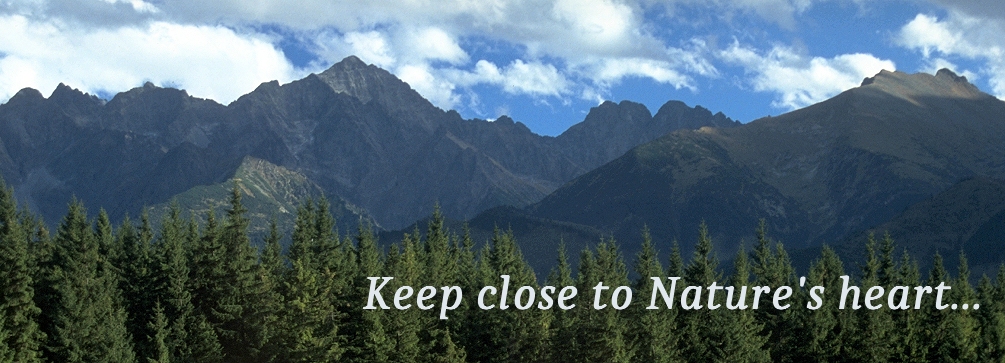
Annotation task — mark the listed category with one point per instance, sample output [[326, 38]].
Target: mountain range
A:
[[919, 156], [358, 134]]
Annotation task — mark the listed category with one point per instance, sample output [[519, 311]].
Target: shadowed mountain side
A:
[[671, 185], [817, 175], [355, 130], [969, 216], [538, 237]]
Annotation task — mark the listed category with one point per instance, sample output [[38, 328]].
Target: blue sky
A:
[[542, 62]]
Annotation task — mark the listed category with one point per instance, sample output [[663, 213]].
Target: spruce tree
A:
[[700, 326], [6, 354], [269, 303], [909, 324], [655, 336], [933, 342], [207, 280], [564, 324], [603, 333], [405, 326], [89, 320], [238, 326], [138, 273], [18, 313], [962, 336], [742, 341], [823, 328], [991, 320], [443, 349], [160, 353], [368, 340], [875, 327], [309, 327]]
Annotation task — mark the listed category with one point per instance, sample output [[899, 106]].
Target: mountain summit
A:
[[355, 131], [816, 174]]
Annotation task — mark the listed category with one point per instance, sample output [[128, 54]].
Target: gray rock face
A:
[[355, 130]]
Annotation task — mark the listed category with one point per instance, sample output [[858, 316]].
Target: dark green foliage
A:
[[159, 351], [308, 330], [89, 323], [22, 338], [96, 293], [872, 343], [654, 334]]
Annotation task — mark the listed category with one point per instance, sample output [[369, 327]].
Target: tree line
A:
[[201, 292]]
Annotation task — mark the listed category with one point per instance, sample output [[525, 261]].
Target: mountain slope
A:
[[269, 192], [816, 175], [968, 217], [354, 130]]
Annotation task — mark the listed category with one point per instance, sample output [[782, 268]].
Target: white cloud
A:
[[934, 64], [560, 47], [962, 36], [519, 77], [433, 44], [421, 78], [800, 80], [207, 61], [609, 71]]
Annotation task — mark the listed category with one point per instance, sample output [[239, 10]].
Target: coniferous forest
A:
[[185, 291]]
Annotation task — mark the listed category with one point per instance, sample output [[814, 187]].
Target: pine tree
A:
[[873, 341], [742, 341], [404, 326], [443, 349], [962, 336], [563, 327], [606, 337], [6, 354], [909, 341], [368, 341], [655, 336], [18, 313], [309, 325], [138, 272], [89, 320], [823, 328], [160, 353], [269, 303], [991, 320], [238, 326]]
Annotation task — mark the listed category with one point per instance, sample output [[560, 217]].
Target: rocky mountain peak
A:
[[368, 83], [355, 78], [26, 94], [67, 96], [944, 84]]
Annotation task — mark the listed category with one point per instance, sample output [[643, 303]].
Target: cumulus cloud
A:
[[519, 77], [800, 80], [563, 47], [556, 49], [962, 36], [208, 61]]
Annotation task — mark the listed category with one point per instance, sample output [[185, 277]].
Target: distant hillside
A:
[[269, 192], [816, 175], [969, 216]]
